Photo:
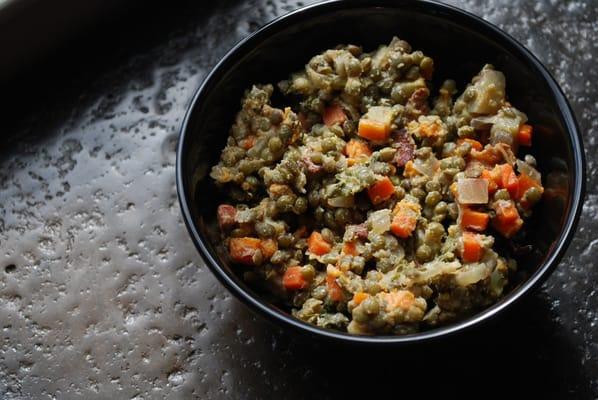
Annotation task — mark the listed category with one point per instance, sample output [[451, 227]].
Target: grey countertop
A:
[[102, 294]]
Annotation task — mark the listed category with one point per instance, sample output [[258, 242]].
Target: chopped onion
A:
[[380, 221], [506, 152], [490, 92], [341, 201], [433, 269], [474, 169], [472, 191], [382, 114], [472, 273], [525, 168], [482, 122], [427, 167]]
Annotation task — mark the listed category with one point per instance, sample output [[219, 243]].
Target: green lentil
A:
[[502, 194], [433, 198]]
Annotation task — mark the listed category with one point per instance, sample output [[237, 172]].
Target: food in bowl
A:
[[364, 206]]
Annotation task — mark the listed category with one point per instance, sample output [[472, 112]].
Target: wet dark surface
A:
[[103, 295]]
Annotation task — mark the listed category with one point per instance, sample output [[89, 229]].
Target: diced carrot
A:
[[334, 114], [359, 297], [317, 245], [525, 183], [373, 130], [492, 184], [357, 148], [472, 248], [248, 142], [478, 221], [403, 225], [293, 279], [524, 136], [507, 229], [334, 290], [405, 218], [268, 247], [399, 299], [487, 156], [350, 248], [509, 180], [381, 190], [506, 211], [242, 249], [474, 143], [507, 220]]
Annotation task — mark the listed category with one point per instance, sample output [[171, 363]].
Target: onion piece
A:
[[506, 152], [341, 202], [427, 167], [380, 221], [525, 168], [435, 269], [472, 273], [490, 92], [472, 191], [482, 122]]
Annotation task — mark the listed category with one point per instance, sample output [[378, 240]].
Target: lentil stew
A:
[[367, 205]]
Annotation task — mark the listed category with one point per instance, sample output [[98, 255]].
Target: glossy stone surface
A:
[[102, 294]]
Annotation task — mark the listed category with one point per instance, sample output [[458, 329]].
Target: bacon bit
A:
[[361, 231], [226, 216], [310, 165], [334, 114], [405, 146], [418, 101]]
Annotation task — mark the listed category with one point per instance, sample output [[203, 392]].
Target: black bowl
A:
[[460, 44]]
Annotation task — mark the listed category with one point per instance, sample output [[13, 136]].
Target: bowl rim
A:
[[476, 23]]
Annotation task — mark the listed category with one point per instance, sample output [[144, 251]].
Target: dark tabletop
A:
[[102, 294]]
